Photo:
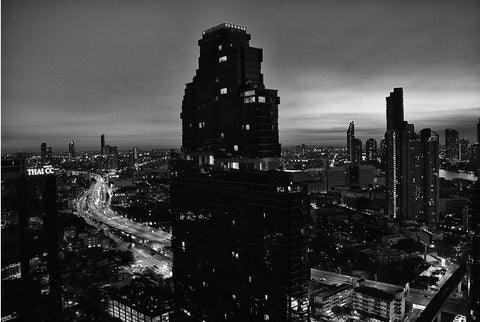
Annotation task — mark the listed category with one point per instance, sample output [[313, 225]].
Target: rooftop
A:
[[375, 293], [224, 26]]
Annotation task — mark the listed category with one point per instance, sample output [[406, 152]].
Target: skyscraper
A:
[[429, 176], [227, 113], [371, 149], [239, 243], [473, 263], [351, 141], [102, 144], [451, 144], [135, 156], [463, 149], [412, 166], [71, 149]]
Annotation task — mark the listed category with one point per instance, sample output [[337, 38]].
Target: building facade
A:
[[451, 144]]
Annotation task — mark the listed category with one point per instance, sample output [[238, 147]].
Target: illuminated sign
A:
[[40, 171]]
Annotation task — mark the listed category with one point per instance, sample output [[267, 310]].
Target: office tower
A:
[[71, 149], [36, 294], [451, 144], [226, 111], [357, 150], [351, 141], [429, 176], [371, 149], [102, 144], [463, 149], [43, 152], [473, 262], [239, 243], [383, 151], [107, 149], [49, 154]]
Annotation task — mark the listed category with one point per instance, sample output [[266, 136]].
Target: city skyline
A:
[[72, 71]]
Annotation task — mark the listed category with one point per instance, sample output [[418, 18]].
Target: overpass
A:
[[433, 310]]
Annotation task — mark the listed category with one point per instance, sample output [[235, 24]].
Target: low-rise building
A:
[[377, 303], [325, 297]]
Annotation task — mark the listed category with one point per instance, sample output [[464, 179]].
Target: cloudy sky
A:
[[77, 69]]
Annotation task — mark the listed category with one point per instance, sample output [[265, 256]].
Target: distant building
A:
[[357, 150], [463, 152], [71, 149], [102, 144], [43, 152], [451, 144], [371, 149], [135, 156], [351, 141]]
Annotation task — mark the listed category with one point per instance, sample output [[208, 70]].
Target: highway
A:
[[149, 246]]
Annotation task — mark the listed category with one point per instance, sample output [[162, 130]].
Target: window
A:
[[235, 147], [247, 127], [219, 47], [183, 246], [217, 79], [224, 90], [222, 59], [250, 99], [261, 99], [222, 135], [201, 125], [249, 93]]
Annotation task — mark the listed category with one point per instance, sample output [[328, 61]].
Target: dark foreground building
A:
[[30, 241], [239, 240], [473, 264]]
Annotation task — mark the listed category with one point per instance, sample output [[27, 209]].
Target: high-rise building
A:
[[371, 149], [43, 152], [473, 263], [71, 149], [351, 141], [227, 113], [239, 243], [102, 144], [478, 131], [31, 195], [394, 137], [411, 167], [451, 144], [429, 175]]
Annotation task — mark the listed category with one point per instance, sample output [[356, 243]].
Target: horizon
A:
[[76, 68]]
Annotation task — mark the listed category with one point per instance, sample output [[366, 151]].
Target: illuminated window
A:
[[216, 98], [247, 127], [261, 99], [222, 59], [201, 125], [235, 147], [266, 317], [217, 79], [183, 246], [219, 47], [222, 135], [249, 99], [224, 90], [249, 93]]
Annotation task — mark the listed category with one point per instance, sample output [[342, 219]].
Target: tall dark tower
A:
[[102, 144], [351, 141], [239, 242], [473, 263], [395, 144], [226, 111], [395, 116], [451, 144]]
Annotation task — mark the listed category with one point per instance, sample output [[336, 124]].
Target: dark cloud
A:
[[76, 69]]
